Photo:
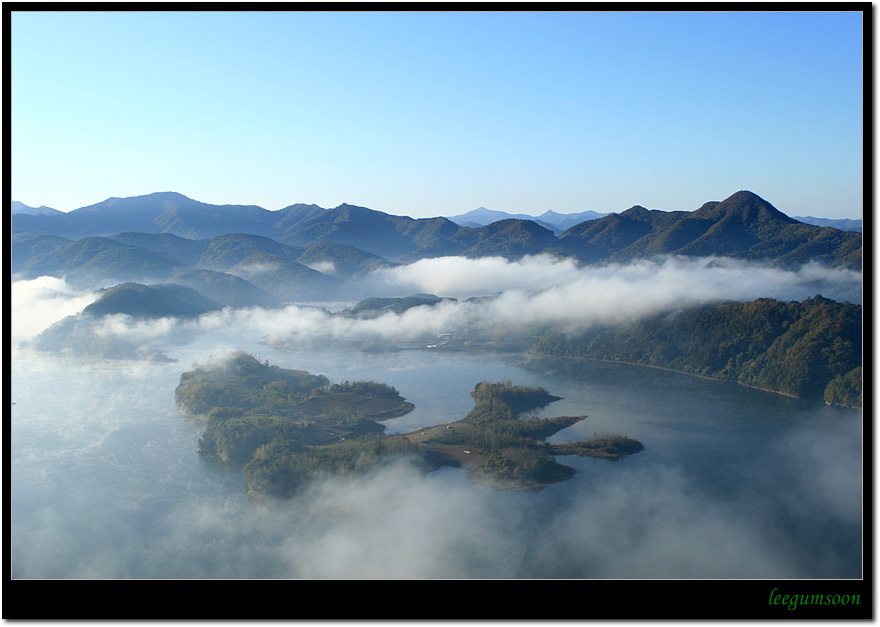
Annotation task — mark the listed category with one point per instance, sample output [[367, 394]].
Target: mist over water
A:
[[538, 289], [733, 482]]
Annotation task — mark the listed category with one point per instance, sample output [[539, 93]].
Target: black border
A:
[[513, 600]]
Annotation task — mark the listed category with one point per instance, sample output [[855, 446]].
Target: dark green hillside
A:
[[678, 236], [150, 301], [605, 238], [251, 404], [505, 238], [821, 343], [608, 236], [502, 447], [243, 383], [225, 289], [283, 466], [744, 225], [826, 245], [28, 245], [100, 258], [506, 401], [788, 347], [747, 225]]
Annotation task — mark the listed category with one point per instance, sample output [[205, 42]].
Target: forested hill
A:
[[150, 301], [807, 349], [743, 225], [84, 333]]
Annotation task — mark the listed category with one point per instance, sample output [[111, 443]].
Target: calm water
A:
[[733, 482]]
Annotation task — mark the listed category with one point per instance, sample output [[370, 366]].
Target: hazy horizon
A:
[[447, 215]]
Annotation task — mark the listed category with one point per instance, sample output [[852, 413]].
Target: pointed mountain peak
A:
[[744, 205], [634, 211], [745, 195]]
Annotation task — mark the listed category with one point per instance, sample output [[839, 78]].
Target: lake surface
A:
[[733, 482]]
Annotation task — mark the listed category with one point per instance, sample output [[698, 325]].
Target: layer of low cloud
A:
[[41, 302], [531, 290], [694, 279]]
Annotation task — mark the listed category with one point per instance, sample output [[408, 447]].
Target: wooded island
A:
[[290, 426]]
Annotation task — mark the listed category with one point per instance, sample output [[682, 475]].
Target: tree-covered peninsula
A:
[[289, 426], [808, 349], [250, 404], [502, 447], [805, 349]]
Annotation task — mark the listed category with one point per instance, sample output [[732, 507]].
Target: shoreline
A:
[[684, 372]]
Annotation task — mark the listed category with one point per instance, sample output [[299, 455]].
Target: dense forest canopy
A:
[[811, 348]]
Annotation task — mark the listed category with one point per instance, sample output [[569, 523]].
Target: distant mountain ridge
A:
[[556, 222], [305, 249], [744, 225], [172, 212], [844, 224], [20, 207]]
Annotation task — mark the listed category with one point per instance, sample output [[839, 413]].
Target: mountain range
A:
[[556, 222], [247, 254], [844, 224], [559, 222]]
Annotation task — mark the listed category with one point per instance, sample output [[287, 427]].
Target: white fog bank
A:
[[531, 290]]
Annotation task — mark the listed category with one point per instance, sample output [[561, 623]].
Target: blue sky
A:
[[427, 113]]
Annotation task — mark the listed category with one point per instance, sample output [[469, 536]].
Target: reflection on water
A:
[[733, 482]]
